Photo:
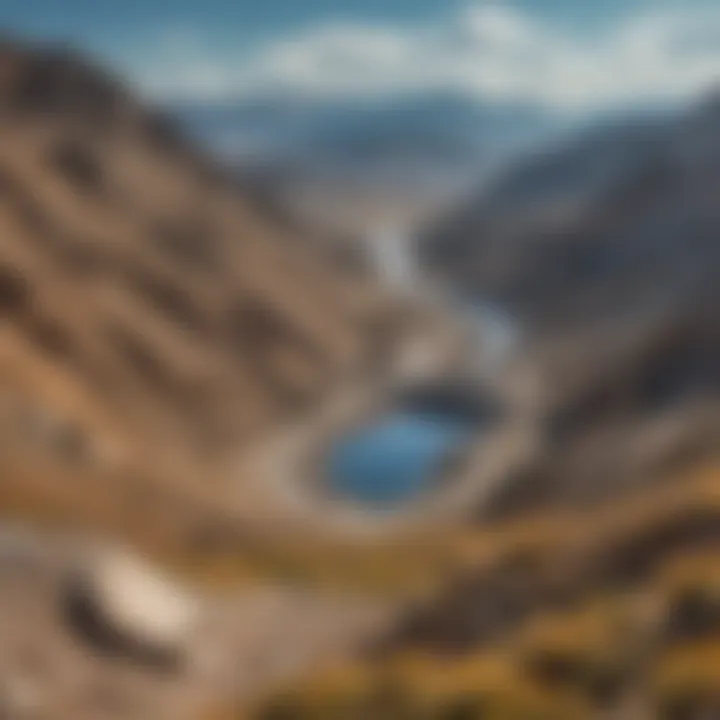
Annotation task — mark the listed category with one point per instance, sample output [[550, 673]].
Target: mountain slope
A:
[[155, 319], [607, 253]]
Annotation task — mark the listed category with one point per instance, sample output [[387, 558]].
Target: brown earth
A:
[[156, 319]]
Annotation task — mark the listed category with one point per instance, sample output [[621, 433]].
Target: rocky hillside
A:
[[589, 588], [607, 253], [156, 319], [158, 323]]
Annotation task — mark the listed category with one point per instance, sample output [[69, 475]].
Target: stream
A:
[[404, 453]]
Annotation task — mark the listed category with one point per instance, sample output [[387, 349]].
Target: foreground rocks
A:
[[125, 606], [92, 634]]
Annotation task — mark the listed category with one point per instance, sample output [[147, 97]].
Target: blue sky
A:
[[572, 55], [100, 21], [111, 25]]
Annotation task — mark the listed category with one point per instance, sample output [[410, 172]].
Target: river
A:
[[405, 452]]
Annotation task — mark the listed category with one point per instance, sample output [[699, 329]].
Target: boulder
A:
[[125, 607]]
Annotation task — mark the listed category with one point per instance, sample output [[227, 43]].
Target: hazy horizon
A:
[[559, 56]]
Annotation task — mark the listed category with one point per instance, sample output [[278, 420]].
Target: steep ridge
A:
[[607, 252], [155, 318]]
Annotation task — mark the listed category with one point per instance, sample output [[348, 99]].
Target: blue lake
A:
[[404, 453], [397, 458]]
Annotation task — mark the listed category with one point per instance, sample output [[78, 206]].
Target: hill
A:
[[157, 318], [605, 251]]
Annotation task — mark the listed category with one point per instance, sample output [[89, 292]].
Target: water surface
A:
[[396, 459]]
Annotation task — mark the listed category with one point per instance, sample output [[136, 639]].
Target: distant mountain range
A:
[[423, 140]]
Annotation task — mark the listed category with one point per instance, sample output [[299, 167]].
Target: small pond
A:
[[396, 459], [410, 450]]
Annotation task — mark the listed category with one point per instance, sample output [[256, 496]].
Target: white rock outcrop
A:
[[126, 602]]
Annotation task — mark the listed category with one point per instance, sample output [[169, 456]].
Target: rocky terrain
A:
[[606, 250], [95, 633], [157, 319], [159, 322], [173, 350], [587, 588]]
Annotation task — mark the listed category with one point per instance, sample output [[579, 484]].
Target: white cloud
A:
[[501, 26], [492, 52]]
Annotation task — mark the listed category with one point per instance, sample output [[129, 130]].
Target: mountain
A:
[[156, 316], [562, 216], [605, 250], [434, 140], [169, 338], [587, 588]]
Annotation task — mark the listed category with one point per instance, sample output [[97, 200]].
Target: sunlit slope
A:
[[156, 319]]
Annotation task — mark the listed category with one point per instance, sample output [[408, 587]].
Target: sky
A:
[[572, 56]]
